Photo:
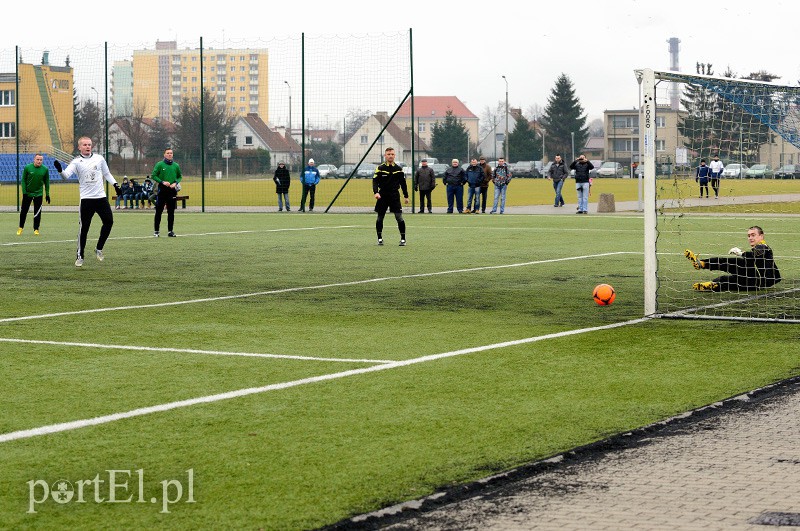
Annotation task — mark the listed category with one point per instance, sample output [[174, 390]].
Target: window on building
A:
[[241, 69], [661, 121], [248, 141], [625, 144], [194, 90], [253, 57], [241, 98], [421, 127], [625, 122], [661, 145], [194, 69], [194, 79], [364, 139], [194, 58], [241, 57], [8, 130], [7, 98], [185, 79]]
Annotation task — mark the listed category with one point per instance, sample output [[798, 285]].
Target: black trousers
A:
[[484, 194], [422, 195], [88, 208], [166, 198], [37, 210], [743, 275]]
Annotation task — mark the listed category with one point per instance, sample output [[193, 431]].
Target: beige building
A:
[[393, 136], [162, 78], [622, 135], [45, 108]]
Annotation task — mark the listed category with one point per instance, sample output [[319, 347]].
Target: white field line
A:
[[150, 237], [105, 419], [185, 351], [304, 288]]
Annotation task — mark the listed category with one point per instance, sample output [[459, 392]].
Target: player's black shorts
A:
[[391, 203]]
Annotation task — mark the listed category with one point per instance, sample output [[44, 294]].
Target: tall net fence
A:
[[752, 129], [231, 110]]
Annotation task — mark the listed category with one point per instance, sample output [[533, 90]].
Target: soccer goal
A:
[[752, 127]]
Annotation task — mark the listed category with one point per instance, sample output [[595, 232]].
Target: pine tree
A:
[[523, 142], [449, 138], [562, 117]]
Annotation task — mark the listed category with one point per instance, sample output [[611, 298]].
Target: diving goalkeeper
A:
[[751, 270]]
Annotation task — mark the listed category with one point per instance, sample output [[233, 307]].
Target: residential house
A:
[[393, 135], [250, 132], [430, 110]]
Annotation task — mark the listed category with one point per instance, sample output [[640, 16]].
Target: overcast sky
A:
[[463, 48]]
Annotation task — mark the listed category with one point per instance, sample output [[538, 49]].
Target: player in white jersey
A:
[[716, 168], [91, 170]]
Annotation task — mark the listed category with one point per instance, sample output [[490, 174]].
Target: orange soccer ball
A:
[[604, 294]]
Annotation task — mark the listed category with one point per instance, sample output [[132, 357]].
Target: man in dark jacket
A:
[[474, 179], [454, 178], [487, 178], [282, 181], [582, 168], [425, 182], [558, 174], [387, 181]]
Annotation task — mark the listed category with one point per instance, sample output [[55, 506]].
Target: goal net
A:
[[752, 127]]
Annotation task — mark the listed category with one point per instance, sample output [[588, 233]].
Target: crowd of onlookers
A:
[[137, 195]]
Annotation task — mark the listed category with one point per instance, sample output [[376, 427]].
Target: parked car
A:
[[344, 171], [788, 171], [593, 172], [546, 168], [525, 168], [366, 170], [327, 171], [439, 169], [734, 171], [610, 169], [760, 171]]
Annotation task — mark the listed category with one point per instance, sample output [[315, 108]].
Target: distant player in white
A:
[[91, 170], [716, 168]]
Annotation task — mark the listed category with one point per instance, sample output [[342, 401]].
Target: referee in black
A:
[[386, 184]]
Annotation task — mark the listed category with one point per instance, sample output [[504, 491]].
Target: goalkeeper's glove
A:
[[47, 198], [736, 251], [117, 189], [58, 166]]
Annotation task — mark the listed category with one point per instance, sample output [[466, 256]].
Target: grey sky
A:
[[463, 48]]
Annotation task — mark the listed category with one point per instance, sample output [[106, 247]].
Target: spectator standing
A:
[[454, 178], [387, 181], [701, 176], [124, 189], [716, 168], [583, 182], [310, 180], [167, 176], [282, 182], [558, 174], [501, 176], [487, 178], [474, 179], [35, 183], [425, 183], [91, 169]]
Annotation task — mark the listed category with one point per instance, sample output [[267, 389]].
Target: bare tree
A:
[[135, 129]]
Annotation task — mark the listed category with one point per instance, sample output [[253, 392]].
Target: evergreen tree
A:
[[449, 138], [563, 116], [158, 139], [523, 142], [87, 121], [216, 121]]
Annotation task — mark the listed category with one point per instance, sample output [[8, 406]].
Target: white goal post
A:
[[753, 128]]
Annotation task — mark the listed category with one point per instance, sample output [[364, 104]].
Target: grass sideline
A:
[[259, 192], [318, 287]]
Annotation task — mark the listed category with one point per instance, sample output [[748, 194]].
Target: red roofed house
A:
[[250, 132], [394, 136], [428, 110]]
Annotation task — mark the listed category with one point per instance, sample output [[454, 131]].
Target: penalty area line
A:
[[160, 408], [186, 351], [305, 288]]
